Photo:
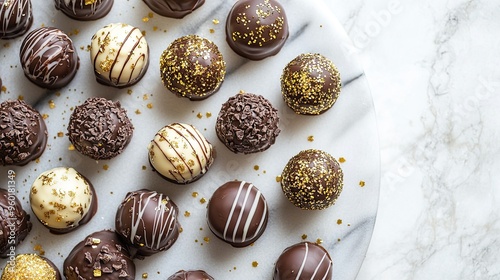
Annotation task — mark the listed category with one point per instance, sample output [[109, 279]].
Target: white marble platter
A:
[[348, 130]]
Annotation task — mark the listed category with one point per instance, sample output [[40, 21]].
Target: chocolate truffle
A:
[[120, 55], [174, 8], [180, 153], [62, 199], [14, 221], [312, 180], [256, 29], [100, 128], [147, 221], [48, 58], [190, 275], [247, 123], [16, 17], [101, 255], [192, 67], [237, 213], [310, 84], [84, 9], [304, 260], [23, 134], [30, 266]]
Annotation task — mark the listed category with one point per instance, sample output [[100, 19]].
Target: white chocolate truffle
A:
[[180, 153], [120, 55], [62, 199]]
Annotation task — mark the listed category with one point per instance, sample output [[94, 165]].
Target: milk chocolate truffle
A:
[[256, 29], [14, 222], [310, 84], [49, 58], [304, 260], [180, 153], [30, 266], [120, 55], [16, 17], [312, 180], [100, 128], [147, 221], [62, 199], [190, 275], [101, 255], [247, 123], [23, 134], [192, 67], [84, 9], [237, 213], [174, 8]]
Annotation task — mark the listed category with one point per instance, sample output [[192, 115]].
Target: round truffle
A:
[[120, 55], [310, 84], [62, 199], [174, 8], [190, 275], [23, 133], [180, 153], [16, 18], [304, 260], [100, 128], [256, 29], [48, 58], [30, 266], [84, 9], [192, 67], [312, 180], [247, 123], [14, 221], [237, 213], [101, 255], [147, 221]]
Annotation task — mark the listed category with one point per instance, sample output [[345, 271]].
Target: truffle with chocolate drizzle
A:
[[16, 18], [84, 9]]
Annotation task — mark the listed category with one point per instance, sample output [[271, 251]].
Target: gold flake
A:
[[203, 200], [361, 183], [310, 138], [187, 214], [341, 160], [145, 275], [60, 134], [339, 221], [52, 105], [97, 273], [215, 21], [194, 194], [255, 263], [150, 105], [304, 236]]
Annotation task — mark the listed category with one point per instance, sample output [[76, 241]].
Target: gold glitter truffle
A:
[[29, 266], [310, 84]]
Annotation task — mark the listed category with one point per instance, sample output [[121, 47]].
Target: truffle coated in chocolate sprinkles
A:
[[100, 128], [15, 223], [247, 123]]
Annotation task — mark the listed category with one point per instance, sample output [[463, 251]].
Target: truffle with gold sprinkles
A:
[[174, 8], [256, 29], [63, 199], [312, 180], [192, 67], [30, 266], [310, 84], [101, 255], [84, 9], [190, 275], [120, 55]]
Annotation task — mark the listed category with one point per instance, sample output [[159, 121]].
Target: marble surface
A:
[[433, 70], [344, 229]]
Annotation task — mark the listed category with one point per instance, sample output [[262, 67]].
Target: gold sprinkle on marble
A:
[[60, 134], [319, 241], [145, 276], [150, 105], [255, 263], [187, 214], [256, 167], [52, 105], [342, 160], [215, 21], [194, 194], [361, 183], [339, 221], [71, 147], [310, 138], [304, 236], [203, 200]]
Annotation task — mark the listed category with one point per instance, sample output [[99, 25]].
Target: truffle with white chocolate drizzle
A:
[[303, 260], [16, 18]]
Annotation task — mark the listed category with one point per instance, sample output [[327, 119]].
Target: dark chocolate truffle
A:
[[147, 221], [190, 275], [237, 213], [14, 221], [49, 58], [192, 67], [84, 9], [312, 180], [256, 29], [63, 199], [174, 8], [100, 128], [16, 17], [247, 123], [100, 255], [23, 134], [310, 84], [30, 266], [304, 260]]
